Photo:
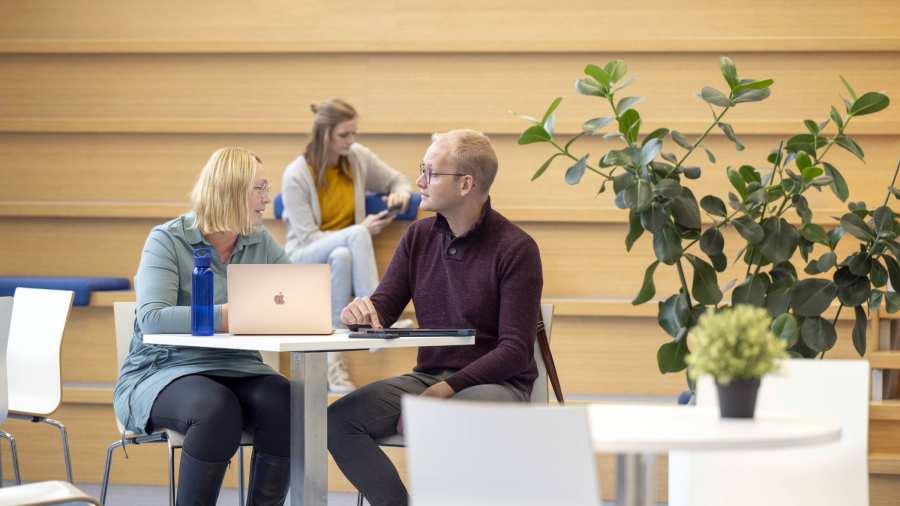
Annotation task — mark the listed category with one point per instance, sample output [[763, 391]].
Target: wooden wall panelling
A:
[[266, 93]]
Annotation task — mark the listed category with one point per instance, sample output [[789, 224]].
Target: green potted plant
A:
[[651, 175], [737, 347]]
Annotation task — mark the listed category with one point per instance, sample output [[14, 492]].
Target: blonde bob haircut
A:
[[326, 116], [473, 154], [220, 198]]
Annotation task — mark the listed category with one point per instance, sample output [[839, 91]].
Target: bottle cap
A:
[[202, 257]]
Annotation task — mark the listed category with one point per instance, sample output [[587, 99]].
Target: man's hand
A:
[[360, 312], [439, 390]]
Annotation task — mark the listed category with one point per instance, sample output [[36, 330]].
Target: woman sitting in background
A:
[[209, 395], [325, 211]]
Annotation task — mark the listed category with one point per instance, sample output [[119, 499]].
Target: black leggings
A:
[[212, 411]]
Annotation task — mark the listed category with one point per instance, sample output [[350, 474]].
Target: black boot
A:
[[199, 481], [269, 479]]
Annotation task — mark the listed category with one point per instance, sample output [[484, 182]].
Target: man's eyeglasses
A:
[[263, 188], [426, 171]]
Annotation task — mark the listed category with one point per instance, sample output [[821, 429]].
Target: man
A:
[[466, 267]]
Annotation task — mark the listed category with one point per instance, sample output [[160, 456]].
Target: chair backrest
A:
[[6, 306], [479, 453], [539, 392], [33, 353], [123, 314], [834, 474]]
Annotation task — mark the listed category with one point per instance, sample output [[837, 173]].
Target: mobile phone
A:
[[394, 210]]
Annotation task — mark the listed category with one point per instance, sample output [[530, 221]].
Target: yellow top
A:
[[335, 200]]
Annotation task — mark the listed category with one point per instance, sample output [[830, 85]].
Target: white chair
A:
[[830, 475], [6, 306], [33, 359], [44, 492], [123, 313], [498, 454], [539, 392]]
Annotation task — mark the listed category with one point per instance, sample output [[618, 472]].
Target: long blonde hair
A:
[[220, 195], [327, 115]]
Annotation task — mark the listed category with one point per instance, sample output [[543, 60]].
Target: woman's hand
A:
[[375, 223], [398, 198]]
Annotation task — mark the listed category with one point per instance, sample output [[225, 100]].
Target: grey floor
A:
[[136, 495]]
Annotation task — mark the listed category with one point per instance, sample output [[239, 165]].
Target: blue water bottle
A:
[[202, 315]]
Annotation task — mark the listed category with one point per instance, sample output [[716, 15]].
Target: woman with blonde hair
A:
[[324, 208], [209, 395]]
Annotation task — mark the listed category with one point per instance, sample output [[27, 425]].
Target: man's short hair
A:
[[473, 154]]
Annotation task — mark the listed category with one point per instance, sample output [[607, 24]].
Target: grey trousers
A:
[[356, 420]]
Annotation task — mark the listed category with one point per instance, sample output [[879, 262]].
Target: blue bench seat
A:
[[82, 286]]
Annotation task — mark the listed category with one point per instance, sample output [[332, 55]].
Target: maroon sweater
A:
[[488, 279]]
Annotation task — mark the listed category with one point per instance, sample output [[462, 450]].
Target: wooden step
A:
[[888, 409], [885, 359], [884, 463]]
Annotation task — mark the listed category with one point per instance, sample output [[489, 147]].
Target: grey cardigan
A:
[[301, 199]]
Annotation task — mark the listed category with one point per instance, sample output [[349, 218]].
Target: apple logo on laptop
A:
[[279, 298]]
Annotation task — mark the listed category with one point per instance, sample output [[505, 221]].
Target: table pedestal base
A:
[[635, 479], [309, 400]]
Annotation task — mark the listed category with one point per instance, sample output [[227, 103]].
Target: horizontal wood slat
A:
[[529, 26], [412, 93]]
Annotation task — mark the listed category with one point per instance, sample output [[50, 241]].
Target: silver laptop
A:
[[279, 299]]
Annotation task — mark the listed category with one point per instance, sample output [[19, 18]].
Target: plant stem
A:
[[684, 285], [888, 196], [834, 323], [699, 141], [570, 155]]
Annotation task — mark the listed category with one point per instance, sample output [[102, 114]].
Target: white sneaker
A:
[[339, 379], [405, 323]]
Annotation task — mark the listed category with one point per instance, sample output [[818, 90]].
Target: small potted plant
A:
[[735, 346]]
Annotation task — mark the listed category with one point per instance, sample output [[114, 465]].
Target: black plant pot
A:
[[737, 399]]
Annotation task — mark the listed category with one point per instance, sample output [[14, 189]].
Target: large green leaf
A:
[[576, 171], [544, 166], [780, 240], [878, 275], [648, 289], [855, 293], [714, 97], [638, 195], [674, 315], [685, 210], [737, 181], [714, 206], [751, 95], [785, 328], [551, 109], [655, 218], [590, 87], [681, 140], [884, 221], [855, 226], [630, 125], [634, 229], [805, 143], [893, 270], [627, 103], [749, 229], [729, 71], [869, 103], [670, 356], [705, 285], [599, 74], [892, 302], [838, 183], [814, 233], [836, 117], [751, 291], [850, 145], [811, 297], [650, 150], [750, 84], [849, 88], [616, 70], [778, 301], [818, 333], [859, 330], [729, 133], [667, 245], [592, 126], [533, 134], [712, 242]]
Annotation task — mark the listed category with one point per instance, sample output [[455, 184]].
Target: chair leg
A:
[[65, 443], [359, 499], [104, 485], [241, 475], [14, 456], [171, 476]]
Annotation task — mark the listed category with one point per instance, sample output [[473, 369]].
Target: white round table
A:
[[638, 432]]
